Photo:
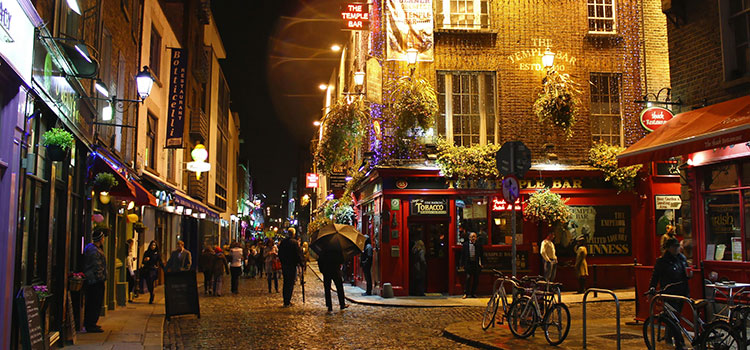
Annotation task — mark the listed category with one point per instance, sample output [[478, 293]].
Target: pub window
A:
[[601, 16], [724, 203], [605, 108], [467, 107], [471, 215], [154, 62], [735, 36], [463, 14], [721, 176], [722, 223], [171, 165], [151, 132], [501, 228]]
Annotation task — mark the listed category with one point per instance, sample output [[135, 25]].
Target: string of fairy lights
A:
[[516, 26]]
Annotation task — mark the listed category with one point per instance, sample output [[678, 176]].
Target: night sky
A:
[[276, 97]]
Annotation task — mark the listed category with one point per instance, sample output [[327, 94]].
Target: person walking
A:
[[472, 255], [180, 260], [672, 267], [95, 270], [329, 263], [150, 271], [220, 268], [290, 255], [550, 258], [260, 260], [270, 254], [366, 263], [236, 256], [582, 268], [206, 265], [418, 270], [131, 264]]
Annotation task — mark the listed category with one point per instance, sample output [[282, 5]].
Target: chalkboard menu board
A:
[[181, 294], [30, 319]]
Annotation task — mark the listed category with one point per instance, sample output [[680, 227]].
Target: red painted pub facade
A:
[[397, 206]]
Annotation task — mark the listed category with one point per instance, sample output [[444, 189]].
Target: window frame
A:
[[593, 115], [589, 18], [729, 44], [152, 135], [155, 59], [448, 115], [741, 187], [446, 23]]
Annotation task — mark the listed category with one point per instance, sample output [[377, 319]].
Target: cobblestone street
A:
[[254, 319]]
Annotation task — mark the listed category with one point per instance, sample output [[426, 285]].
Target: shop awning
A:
[[715, 126], [100, 163], [143, 196], [194, 206]]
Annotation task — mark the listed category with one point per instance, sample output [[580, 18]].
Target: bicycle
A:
[[499, 296], [715, 335], [526, 313]]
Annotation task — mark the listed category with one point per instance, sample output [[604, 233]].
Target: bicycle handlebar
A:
[[652, 291]]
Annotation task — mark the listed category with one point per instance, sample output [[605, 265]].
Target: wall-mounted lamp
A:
[[548, 59], [199, 165]]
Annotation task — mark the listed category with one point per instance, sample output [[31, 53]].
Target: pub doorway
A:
[[428, 256]]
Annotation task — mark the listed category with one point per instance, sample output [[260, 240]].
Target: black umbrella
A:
[[338, 238]]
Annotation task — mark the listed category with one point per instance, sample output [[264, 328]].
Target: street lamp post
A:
[[144, 82]]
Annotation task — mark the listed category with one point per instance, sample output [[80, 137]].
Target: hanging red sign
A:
[[311, 180], [355, 16], [654, 117]]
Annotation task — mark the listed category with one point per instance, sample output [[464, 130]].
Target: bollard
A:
[[387, 290]]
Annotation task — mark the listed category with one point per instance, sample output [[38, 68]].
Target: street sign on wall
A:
[[311, 180], [514, 158]]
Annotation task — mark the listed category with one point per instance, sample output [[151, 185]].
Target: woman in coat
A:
[[582, 269], [220, 268], [270, 254], [206, 265], [151, 263]]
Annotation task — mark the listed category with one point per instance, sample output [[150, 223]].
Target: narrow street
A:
[[254, 319]]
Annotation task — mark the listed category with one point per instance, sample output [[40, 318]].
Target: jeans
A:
[[94, 300], [273, 276], [550, 270], [208, 281], [236, 272], [333, 274], [290, 275]]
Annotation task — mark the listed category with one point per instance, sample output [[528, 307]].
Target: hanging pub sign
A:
[[176, 113], [432, 206], [311, 180], [409, 25], [355, 16], [654, 117]]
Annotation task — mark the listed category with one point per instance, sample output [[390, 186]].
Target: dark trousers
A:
[[151, 275], [290, 274], [208, 281], [94, 300], [131, 282], [472, 278], [236, 272], [368, 278], [332, 274], [675, 334], [272, 276]]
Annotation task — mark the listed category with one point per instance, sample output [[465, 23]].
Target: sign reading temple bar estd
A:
[[176, 113]]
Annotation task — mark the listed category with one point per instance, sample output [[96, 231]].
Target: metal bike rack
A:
[[617, 304]]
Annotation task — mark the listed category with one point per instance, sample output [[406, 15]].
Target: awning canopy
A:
[[101, 164], [715, 126], [143, 196], [196, 207]]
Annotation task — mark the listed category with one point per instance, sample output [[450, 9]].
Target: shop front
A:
[[419, 221], [715, 202]]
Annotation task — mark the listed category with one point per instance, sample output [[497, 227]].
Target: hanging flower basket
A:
[[139, 227], [58, 142], [543, 206], [104, 182], [558, 102], [75, 282], [414, 104], [343, 133], [467, 163], [603, 156]]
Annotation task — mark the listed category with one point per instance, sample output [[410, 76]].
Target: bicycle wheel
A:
[[718, 335], [741, 322], [523, 317], [556, 324], [491, 310], [660, 330]]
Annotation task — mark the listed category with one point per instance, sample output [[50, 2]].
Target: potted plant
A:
[[42, 292], [139, 227], [343, 133], [104, 182], [558, 101], [58, 142], [603, 156], [414, 104], [543, 206], [75, 282]]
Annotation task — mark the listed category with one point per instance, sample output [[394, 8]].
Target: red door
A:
[[428, 257]]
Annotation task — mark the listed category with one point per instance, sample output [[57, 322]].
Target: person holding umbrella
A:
[[334, 244], [329, 263]]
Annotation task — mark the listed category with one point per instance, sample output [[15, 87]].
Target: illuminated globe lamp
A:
[[548, 59], [199, 165], [132, 218], [104, 197], [144, 81]]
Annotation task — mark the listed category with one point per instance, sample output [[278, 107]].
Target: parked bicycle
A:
[[499, 297], [543, 307], [668, 324]]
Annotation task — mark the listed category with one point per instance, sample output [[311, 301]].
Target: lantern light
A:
[[107, 112], [101, 88], [73, 4], [144, 81], [411, 55], [131, 205], [359, 78], [548, 59], [199, 165], [104, 197]]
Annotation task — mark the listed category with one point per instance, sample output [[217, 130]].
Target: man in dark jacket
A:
[[472, 255], [290, 255], [366, 263], [95, 269], [329, 263], [672, 268], [180, 260], [206, 265]]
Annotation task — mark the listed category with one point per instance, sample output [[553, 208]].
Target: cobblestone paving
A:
[[254, 319]]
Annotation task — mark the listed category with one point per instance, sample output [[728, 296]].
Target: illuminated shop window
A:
[[601, 14], [463, 14], [467, 107], [605, 108]]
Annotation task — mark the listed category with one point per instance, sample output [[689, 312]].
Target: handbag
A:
[[276, 264]]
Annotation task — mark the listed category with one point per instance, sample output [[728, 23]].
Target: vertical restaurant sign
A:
[[410, 25], [177, 82]]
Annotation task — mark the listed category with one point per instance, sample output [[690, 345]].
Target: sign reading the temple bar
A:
[[30, 319], [177, 81], [654, 117], [422, 206], [355, 16], [311, 180]]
